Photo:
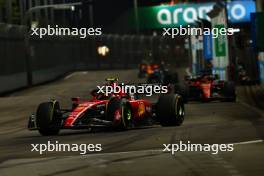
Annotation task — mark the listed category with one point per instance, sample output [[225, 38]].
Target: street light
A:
[[103, 50], [70, 6]]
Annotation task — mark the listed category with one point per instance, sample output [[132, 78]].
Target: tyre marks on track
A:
[[202, 163]]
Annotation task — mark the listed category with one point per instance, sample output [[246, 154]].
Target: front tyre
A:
[[47, 119], [170, 110]]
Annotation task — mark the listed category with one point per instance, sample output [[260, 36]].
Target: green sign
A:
[[220, 45], [172, 16], [220, 41]]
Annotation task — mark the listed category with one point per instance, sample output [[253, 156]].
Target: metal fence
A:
[[12, 58], [51, 57]]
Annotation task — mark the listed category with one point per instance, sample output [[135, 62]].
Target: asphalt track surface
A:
[[133, 152]]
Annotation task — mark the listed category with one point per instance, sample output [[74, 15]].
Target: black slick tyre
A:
[[47, 120], [170, 110]]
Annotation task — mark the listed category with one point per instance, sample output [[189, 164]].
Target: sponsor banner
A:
[[184, 14], [220, 46], [220, 42], [239, 11], [194, 42], [261, 66], [207, 45]]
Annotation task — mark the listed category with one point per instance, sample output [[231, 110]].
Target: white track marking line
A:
[[155, 151], [69, 76], [249, 142], [75, 73], [128, 152]]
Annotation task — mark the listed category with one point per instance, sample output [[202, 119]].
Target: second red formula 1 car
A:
[[206, 87], [119, 111]]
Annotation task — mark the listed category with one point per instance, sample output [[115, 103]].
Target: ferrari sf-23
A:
[[119, 111], [206, 87]]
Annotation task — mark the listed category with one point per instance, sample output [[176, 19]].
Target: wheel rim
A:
[[126, 116], [181, 111]]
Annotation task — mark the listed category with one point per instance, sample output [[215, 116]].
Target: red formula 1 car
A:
[[206, 87], [119, 111]]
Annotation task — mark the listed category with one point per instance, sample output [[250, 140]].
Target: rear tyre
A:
[[47, 120], [229, 91], [170, 110], [183, 90], [119, 111]]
